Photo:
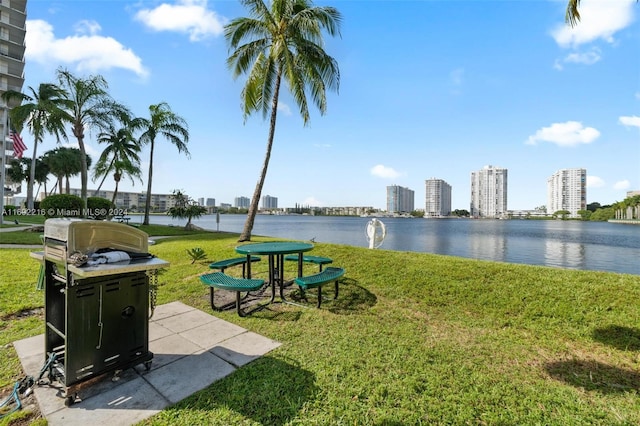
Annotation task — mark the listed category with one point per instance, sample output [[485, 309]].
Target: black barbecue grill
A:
[[96, 311]]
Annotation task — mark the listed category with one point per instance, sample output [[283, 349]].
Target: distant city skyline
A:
[[417, 98]]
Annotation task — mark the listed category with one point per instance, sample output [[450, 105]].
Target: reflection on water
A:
[[565, 244], [564, 254], [487, 245]]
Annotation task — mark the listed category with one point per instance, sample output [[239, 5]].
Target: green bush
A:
[[62, 205], [99, 208]]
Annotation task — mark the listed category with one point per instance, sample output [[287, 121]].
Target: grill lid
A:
[[87, 236]]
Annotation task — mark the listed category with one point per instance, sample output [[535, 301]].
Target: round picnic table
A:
[[275, 250]]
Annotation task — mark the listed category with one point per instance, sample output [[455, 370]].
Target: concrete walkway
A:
[[191, 348]]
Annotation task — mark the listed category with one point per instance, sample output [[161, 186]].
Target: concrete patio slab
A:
[[191, 348]]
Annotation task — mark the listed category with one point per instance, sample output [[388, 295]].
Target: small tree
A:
[[185, 208]]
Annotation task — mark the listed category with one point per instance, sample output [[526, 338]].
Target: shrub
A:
[[62, 205], [99, 208]]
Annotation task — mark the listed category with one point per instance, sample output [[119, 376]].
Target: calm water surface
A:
[[565, 244]]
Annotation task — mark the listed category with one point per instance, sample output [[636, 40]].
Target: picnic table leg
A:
[[300, 264], [272, 277], [248, 267], [281, 275]]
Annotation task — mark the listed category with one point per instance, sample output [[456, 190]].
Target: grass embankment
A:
[[413, 339]]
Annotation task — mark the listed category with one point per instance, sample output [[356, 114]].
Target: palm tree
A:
[[284, 41], [120, 157], [42, 112], [89, 107], [20, 170], [161, 122], [65, 162]]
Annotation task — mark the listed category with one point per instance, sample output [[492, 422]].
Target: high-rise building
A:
[[489, 192], [269, 202], [400, 199], [211, 202], [438, 198], [567, 190], [241, 202], [13, 18]]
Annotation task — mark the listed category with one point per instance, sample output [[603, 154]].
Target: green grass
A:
[[414, 338]]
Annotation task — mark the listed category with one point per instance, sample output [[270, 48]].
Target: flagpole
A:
[[3, 162]]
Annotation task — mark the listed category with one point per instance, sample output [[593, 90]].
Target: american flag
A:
[[18, 144]]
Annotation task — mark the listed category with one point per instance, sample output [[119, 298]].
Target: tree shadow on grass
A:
[[619, 337], [268, 391], [594, 376]]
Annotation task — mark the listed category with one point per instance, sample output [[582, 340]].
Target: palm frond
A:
[[572, 15]]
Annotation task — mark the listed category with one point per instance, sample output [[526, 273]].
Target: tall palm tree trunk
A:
[[253, 208], [104, 177], [147, 204], [32, 176], [116, 177]]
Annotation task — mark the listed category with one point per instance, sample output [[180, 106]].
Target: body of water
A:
[[597, 246]]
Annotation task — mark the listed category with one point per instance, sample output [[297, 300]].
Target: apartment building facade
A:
[[13, 18], [567, 190], [489, 193], [437, 198], [132, 200], [400, 199], [269, 202], [241, 202]]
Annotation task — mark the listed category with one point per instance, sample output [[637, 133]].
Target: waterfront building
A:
[[211, 202], [489, 193], [438, 198], [201, 201], [13, 18], [269, 202], [567, 190], [400, 199], [130, 200], [241, 202]]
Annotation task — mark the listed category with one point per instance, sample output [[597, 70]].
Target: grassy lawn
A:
[[413, 339]]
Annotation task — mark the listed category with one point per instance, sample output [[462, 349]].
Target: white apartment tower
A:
[[269, 202], [567, 190], [489, 192], [438, 198], [13, 18], [400, 199], [241, 202]]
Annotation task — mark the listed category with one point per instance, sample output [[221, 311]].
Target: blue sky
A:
[[428, 89]]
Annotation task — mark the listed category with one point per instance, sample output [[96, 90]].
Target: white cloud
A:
[[186, 16], [87, 27], [570, 133], [86, 50], [312, 202], [599, 19], [587, 58], [621, 185], [594, 182], [284, 108], [633, 120], [384, 172]]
